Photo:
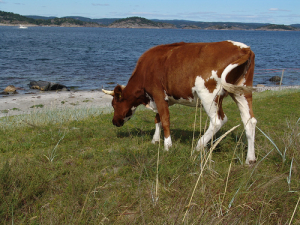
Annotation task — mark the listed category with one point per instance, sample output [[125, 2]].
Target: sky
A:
[[258, 11]]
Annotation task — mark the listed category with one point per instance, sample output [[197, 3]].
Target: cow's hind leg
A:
[[244, 102], [156, 136], [213, 108]]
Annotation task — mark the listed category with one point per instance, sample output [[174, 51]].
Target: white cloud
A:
[[279, 10]]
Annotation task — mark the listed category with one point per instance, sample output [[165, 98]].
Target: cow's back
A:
[[174, 67]]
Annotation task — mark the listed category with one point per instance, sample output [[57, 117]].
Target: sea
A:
[[92, 58]]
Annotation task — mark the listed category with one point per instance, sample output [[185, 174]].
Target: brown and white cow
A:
[[180, 73]]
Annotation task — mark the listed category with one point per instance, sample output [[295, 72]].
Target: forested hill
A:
[[139, 22], [8, 18]]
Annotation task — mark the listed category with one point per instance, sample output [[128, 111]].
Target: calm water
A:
[[89, 58]]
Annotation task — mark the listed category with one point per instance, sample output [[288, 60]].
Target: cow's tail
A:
[[238, 89]]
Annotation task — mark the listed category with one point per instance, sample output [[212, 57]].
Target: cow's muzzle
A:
[[118, 123]]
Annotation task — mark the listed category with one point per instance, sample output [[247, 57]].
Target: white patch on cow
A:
[[166, 96], [156, 136], [249, 124], [151, 105], [129, 117], [227, 70], [239, 44], [210, 106], [168, 143], [214, 75], [242, 82]]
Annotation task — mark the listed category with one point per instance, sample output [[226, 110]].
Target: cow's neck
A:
[[134, 94]]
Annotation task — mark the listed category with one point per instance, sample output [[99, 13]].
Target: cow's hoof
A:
[[251, 162], [155, 141], [201, 148]]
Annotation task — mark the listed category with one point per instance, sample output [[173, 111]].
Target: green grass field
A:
[[66, 168]]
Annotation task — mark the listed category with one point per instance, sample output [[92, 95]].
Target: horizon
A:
[[268, 11], [159, 19]]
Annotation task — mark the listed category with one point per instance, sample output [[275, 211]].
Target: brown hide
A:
[[172, 69]]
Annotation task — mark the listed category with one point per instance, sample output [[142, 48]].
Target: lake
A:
[[89, 58]]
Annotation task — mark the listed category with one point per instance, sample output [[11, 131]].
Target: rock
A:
[[260, 85], [40, 85], [10, 89], [47, 86], [275, 79]]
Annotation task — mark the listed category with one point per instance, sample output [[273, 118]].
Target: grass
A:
[[75, 167], [37, 106], [7, 110]]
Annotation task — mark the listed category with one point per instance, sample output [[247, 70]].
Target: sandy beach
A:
[[16, 104]]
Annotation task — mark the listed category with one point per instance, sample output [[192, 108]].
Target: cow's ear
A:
[[118, 92]]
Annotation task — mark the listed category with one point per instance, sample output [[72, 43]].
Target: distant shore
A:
[[139, 27], [34, 25]]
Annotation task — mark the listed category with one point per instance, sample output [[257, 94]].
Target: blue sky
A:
[[261, 11]]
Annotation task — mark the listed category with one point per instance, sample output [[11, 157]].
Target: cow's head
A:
[[123, 108]]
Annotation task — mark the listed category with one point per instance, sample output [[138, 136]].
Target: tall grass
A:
[[100, 174]]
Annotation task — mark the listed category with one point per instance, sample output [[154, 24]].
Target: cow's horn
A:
[[108, 92]]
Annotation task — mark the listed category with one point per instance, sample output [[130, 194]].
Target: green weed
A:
[[37, 106]]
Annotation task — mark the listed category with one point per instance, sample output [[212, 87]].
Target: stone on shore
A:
[[47, 86], [10, 89], [275, 79]]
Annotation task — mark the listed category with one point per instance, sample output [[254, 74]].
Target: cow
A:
[[180, 73]]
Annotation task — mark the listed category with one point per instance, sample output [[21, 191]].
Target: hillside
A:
[[278, 27], [295, 25], [8, 18], [12, 18], [139, 22], [205, 25]]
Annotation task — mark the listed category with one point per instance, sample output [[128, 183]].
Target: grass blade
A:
[[272, 143]]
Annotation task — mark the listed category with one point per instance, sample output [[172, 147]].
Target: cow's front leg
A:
[[164, 116], [156, 136]]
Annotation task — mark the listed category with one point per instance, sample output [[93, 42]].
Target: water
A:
[[89, 58]]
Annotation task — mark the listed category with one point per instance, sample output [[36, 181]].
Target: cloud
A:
[[1, 1], [279, 10]]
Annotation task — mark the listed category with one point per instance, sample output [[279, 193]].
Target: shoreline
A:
[[139, 27], [17, 104], [276, 88]]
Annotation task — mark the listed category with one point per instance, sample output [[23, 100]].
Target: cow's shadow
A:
[[185, 136], [181, 135]]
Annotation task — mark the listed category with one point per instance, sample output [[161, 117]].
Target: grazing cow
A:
[[180, 73]]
